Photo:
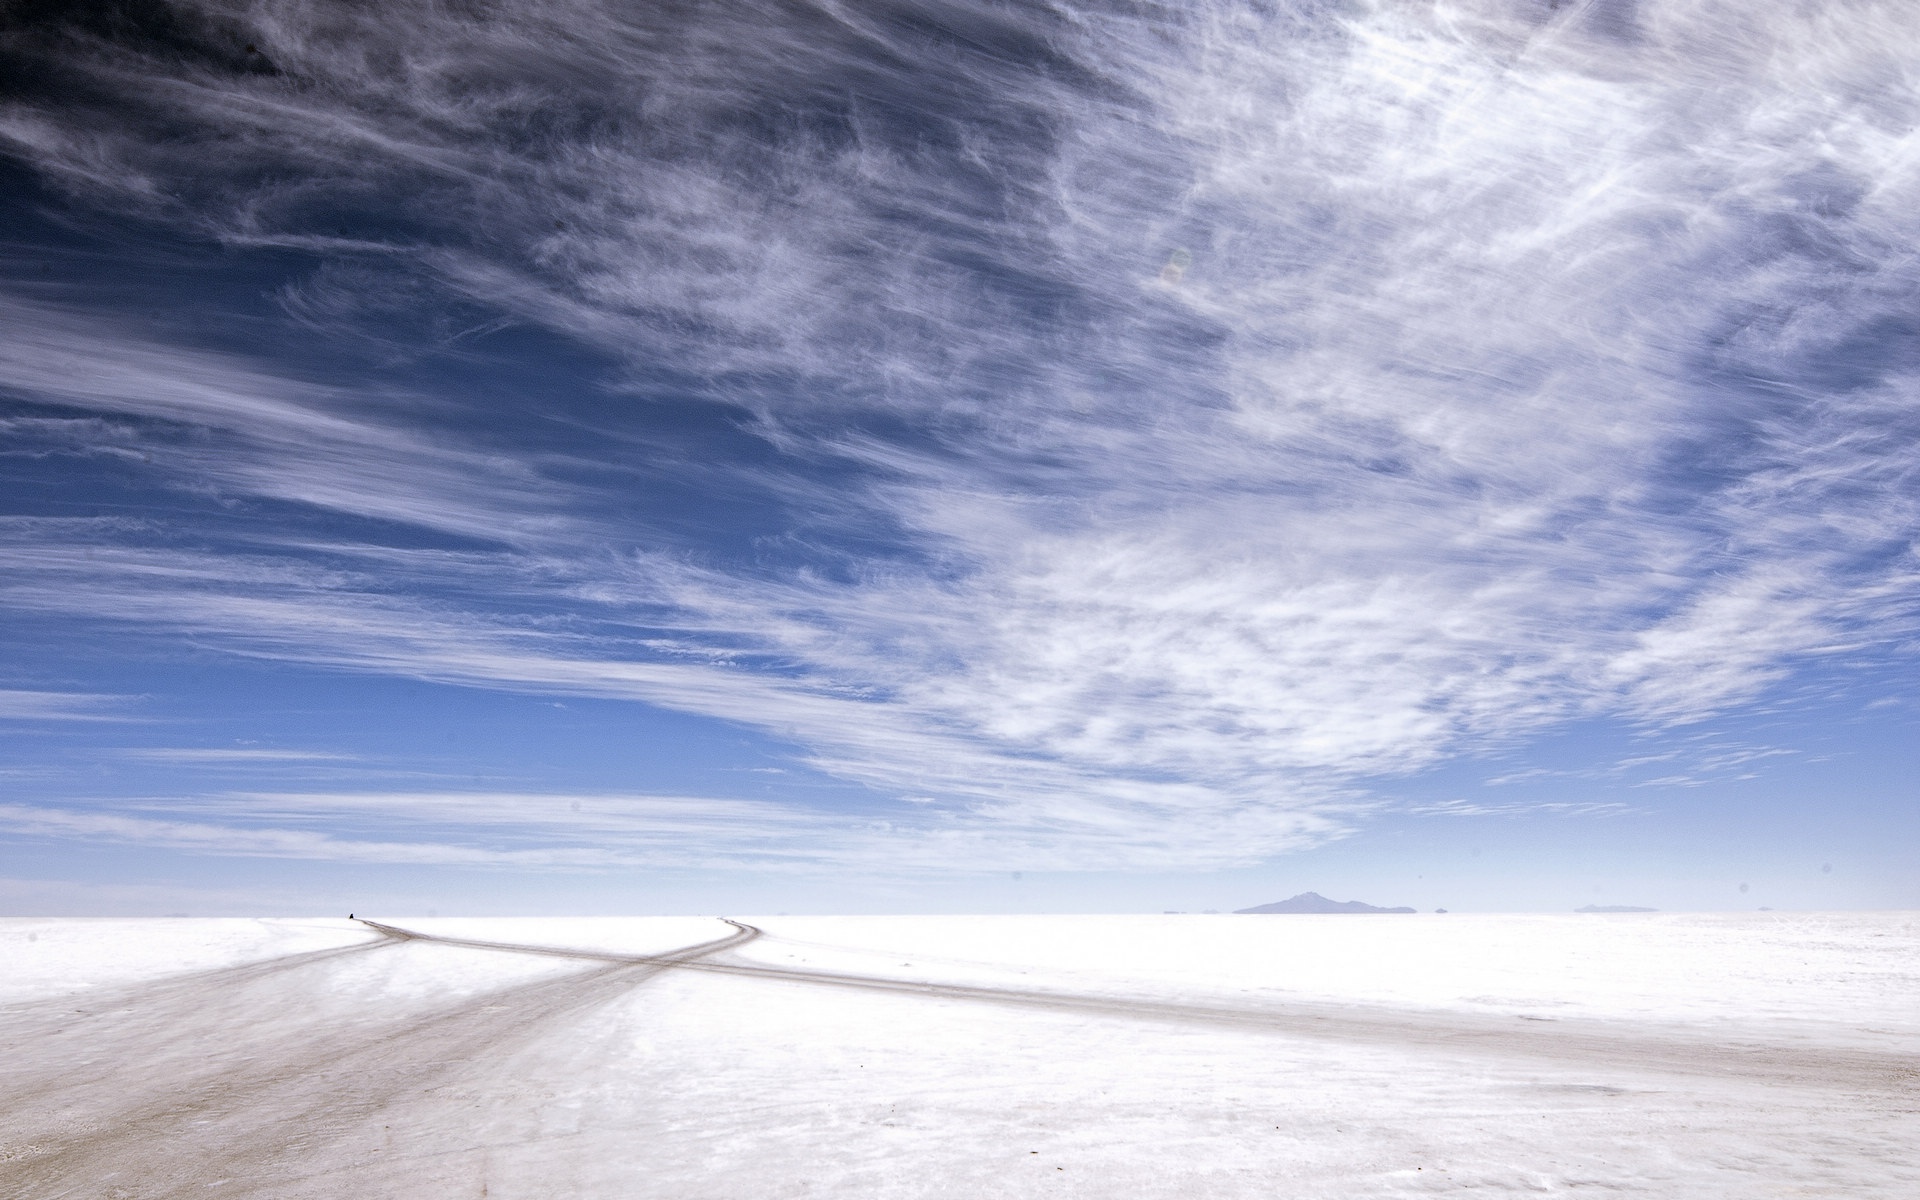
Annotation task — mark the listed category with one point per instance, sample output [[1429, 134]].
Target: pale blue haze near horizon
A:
[[774, 456]]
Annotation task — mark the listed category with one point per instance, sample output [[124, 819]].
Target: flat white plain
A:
[[1682, 1055]]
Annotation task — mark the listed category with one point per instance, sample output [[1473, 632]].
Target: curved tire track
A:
[[95, 1032], [252, 1119], [1589, 1043]]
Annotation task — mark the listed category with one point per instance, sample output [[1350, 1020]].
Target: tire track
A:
[[95, 1032], [1581, 1042], [247, 1121]]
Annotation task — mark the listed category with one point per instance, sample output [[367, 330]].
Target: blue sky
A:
[[586, 456]]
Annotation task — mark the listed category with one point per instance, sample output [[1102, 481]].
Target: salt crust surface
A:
[[1695, 1056], [1858, 968]]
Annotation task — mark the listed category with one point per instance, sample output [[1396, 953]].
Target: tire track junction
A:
[[295, 1103]]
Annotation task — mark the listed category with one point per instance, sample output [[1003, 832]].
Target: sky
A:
[[777, 455]]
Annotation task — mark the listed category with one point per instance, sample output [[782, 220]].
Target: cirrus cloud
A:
[[1176, 418]]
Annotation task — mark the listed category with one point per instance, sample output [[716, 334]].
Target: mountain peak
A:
[[1314, 902]]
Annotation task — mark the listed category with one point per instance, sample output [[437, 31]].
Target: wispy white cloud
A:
[[1694, 759], [1292, 396], [23, 705], [291, 440], [1555, 808], [590, 832], [245, 755], [1024, 806], [267, 842]]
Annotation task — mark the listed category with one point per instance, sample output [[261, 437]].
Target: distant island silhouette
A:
[[1314, 902], [1602, 908]]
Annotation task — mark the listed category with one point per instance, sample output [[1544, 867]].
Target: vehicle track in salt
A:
[[1639, 1047], [119, 1021], [277, 1109]]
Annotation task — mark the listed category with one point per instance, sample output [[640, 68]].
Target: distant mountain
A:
[[1314, 902], [1614, 908]]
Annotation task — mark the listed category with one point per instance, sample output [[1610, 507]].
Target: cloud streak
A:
[[1180, 417], [18, 704]]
